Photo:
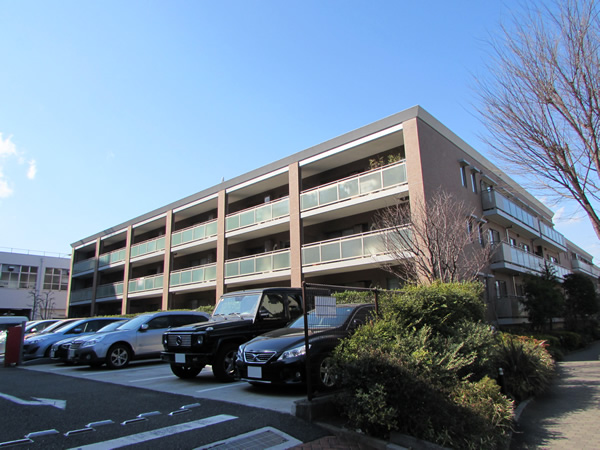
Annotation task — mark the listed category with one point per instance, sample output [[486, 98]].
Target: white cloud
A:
[[5, 190], [32, 169], [7, 147]]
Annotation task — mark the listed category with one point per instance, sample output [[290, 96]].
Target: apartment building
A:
[[25, 275], [310, 216]]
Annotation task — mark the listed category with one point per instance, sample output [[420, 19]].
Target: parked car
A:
[[53, 327], [139, 338], [279, 357], [238, 317], [39, 344], [35, 326], [60, 350]]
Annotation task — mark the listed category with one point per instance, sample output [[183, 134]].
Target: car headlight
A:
[[295, 352], [92, 342]]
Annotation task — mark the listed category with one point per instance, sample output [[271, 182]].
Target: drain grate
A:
[[264, 438]]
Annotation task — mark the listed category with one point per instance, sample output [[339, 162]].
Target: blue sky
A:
[[101, 101]]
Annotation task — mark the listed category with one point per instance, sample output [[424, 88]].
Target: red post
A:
[[14, 346]]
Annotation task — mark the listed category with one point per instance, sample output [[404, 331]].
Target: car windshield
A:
[[136, 322], [57, 326], [112, 326], [237, 305], [324, 321]]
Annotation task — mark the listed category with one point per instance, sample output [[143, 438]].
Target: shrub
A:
[[527, 365]]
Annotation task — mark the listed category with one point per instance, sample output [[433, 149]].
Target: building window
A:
[[513, 242], [18, 277], [56, 279], [500, 287], [494, 236], [474, 182], [463, 175]]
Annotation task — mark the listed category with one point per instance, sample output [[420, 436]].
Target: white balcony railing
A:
[[146, 283], [110, 290], [149, 246], [111, 258], [365, 183], [258, 214], [194, 233], [529, 262], [84, 266], [263, 263], [193, 275], [81, 295]]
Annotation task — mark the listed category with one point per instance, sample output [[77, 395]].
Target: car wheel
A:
[[326, 377], [118, 356], [224, 364], [185, 372]]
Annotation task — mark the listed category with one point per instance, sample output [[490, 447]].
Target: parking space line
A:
[[150, 379], [220, 387], [158, 433]]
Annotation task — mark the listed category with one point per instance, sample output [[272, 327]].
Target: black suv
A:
[[238, 317]]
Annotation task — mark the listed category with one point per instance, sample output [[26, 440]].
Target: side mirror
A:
[[144, 327]]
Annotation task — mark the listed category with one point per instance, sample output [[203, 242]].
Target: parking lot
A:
[[157, 376]]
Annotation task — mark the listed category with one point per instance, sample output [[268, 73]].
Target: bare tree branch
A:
[[541, 105], [439, 240]]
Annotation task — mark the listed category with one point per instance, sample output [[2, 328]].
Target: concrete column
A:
[[125, 301], [221, 244], [167, 262], [295, 185], [95, 278]]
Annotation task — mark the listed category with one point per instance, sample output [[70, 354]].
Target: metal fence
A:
[[331, 313]]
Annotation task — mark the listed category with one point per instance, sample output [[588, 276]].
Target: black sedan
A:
[[279, 357]]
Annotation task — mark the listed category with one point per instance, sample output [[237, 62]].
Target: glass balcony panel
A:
[[232, 269], [187, 236], [348, 188], [373, 245], [104, 260], [247, 266], [175, 279], [394, 175], [281, 208], [281, 260], [135, 251], [211, 229], [309, 200], [352, 248], [264, 264], [210, 273], [197, 275], [311, 255], [233, 222], [186, 277], [151, 246], [330, 252], [176, 238], [264, 213], [158, 282], [370, 182], [328, 194], [247, 218], [199, 232]]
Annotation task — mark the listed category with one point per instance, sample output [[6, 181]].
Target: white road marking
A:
[[61, 404], [150, 379], [157, 434], [229, 385]]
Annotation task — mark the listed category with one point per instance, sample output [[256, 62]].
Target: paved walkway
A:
[[568, 415]]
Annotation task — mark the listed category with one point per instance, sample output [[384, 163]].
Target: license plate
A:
[[254, 372], [71, 354], [180, 358]]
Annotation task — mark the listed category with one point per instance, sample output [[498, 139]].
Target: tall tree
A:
[[582, 300], [435, 240], [543, 299], [541, 102]]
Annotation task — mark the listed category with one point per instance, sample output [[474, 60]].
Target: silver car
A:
[[140, 338]]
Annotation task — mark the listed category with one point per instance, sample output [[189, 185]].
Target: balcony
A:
[[107, 259], [259, 264], [366, 183], [193, 275], [366, 245], [499, 208], [84, 266], [516, 260], [553, 237], [147, 247], [111, 290], [80, 296], [583, 267], [258, 214], [194, 234], [143, 284], [509, 309]]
